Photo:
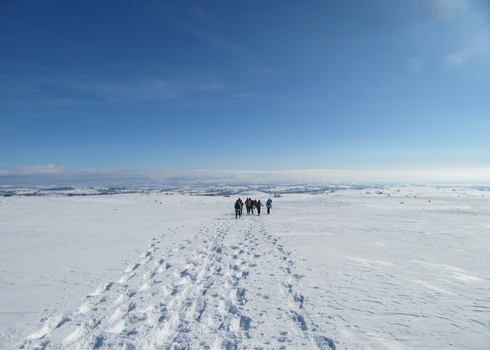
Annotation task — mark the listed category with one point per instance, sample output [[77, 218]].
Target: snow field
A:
[[203, 292], [395, 275], [404, 269]]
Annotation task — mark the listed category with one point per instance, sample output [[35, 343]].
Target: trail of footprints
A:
[[231, 286]]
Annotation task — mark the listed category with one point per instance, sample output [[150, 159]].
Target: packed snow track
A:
[[220, 289]]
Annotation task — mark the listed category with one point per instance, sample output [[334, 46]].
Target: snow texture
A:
[[401, 268]]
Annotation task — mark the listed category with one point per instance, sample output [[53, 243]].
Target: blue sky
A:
[[245, 85]]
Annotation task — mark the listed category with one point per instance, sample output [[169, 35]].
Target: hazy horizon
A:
[[59, 175]]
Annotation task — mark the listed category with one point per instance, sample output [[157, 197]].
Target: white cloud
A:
[[456, 59], [70, 91], [34, 169], [144, 90], [449, 9], [470, 24]]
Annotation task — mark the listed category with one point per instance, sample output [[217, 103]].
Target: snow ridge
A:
[[230, 286]]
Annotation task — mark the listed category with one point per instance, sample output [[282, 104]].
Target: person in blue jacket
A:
[[269, 205]]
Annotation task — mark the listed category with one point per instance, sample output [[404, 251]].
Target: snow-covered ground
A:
[[354, 269]]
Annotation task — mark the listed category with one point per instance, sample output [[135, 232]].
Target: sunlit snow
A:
[[351, 268]]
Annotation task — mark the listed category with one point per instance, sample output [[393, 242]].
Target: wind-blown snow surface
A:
[[404, 269]]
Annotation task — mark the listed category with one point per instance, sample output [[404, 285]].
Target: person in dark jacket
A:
[[258, 205], [248, 203], [238, 209], [241, 206]]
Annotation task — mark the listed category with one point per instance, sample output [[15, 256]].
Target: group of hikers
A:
[[251, 205]]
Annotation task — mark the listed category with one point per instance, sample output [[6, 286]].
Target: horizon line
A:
[[52, 173]]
